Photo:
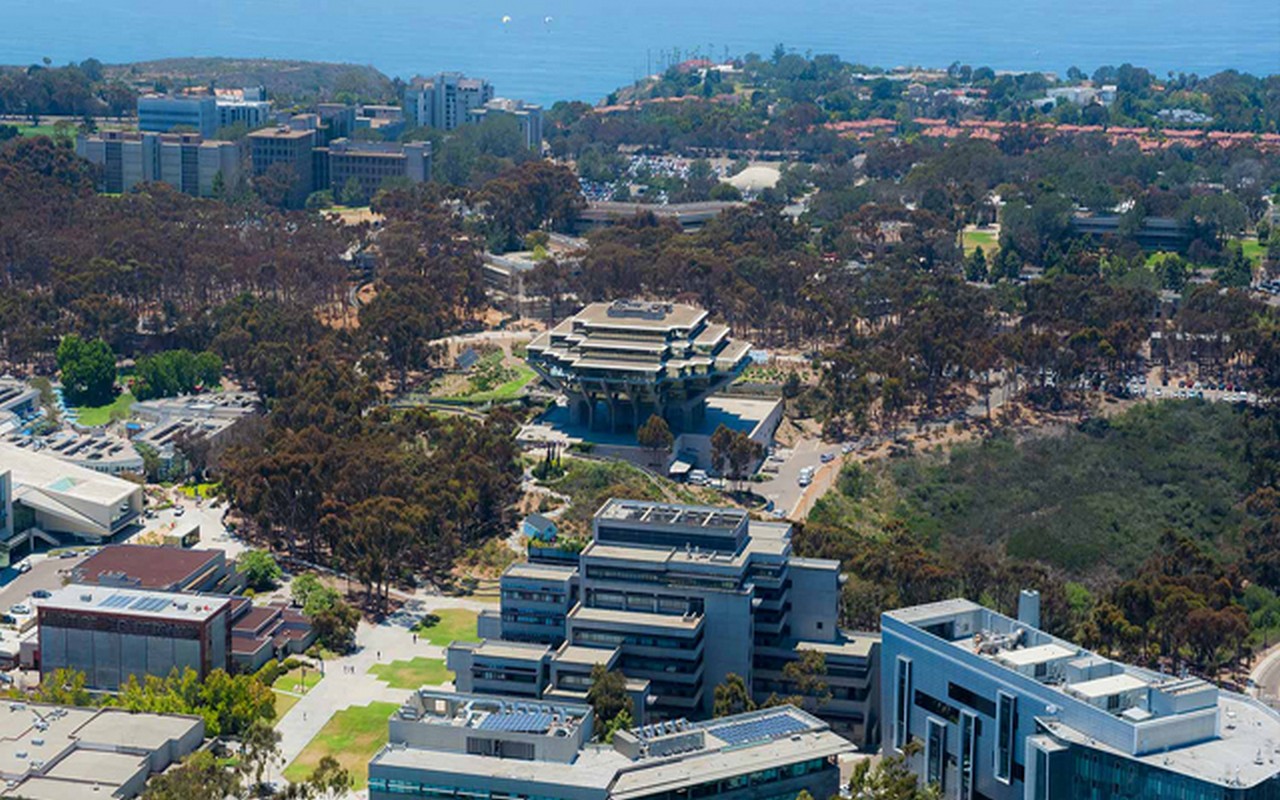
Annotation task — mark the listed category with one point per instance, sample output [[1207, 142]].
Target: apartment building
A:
[[158, 113], [1004, 710], [677, 597], [444, 101], [481, 747], [187, 162], [528, 117]]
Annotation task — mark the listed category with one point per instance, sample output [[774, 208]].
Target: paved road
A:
[[1266, 676]]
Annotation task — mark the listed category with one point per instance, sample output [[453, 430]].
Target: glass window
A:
[[1005, 726], [902, 704], [935, 755], [968, 747]]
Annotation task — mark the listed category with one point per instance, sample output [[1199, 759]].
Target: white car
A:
[[20, 609]]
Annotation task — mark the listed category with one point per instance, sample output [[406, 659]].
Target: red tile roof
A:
[[148, 567]]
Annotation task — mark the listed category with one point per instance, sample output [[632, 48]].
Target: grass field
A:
[[37, 130], [92, 416], [412, 674], [455, 625], [284, 702], [205, 490], [972, 239], [298, 682], [351, 736], [1253, 250]]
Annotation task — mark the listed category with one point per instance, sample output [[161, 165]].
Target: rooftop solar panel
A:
[[117, 601], [521, 721], [756, 730]]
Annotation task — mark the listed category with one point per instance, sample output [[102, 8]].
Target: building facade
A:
[[444, 101], [444, 745], [372, 164], [250, 113], [187, 162], [678, 598], [1003, 710], [162, 113], [528, 117], [111, 633], [291, 147], [620, 362]]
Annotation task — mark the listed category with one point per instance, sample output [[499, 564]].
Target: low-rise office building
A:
[[159, 568], [187, 162], [1005, 711], [158, 113], [372, 164], [677, 598], [528, 117], [250, 113], [98, 451], [65, 753], [446, 745], [111, 633]]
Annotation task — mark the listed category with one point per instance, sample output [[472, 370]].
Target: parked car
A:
[[827, 458], [42, 594], [20, 608]]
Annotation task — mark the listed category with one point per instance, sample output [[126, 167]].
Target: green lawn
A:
[[455, 625], [297, 682], [284, 702], [971, 240], [38, 130], [352, 736], [205, 490], [503, 392], [1253, 250], [412, 674], [93, 416]]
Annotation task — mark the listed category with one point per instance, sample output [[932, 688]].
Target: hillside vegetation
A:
[[284, 80]]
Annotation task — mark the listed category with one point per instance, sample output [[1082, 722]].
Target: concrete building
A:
[[261, 633], [19, 405], [444, 101], [158, 113], [689, 216], [163, 422], [187, 162], [67, 753], [481, 747], [110, 633], [528, 117], [55, 497], [159, 568], [251, 113], [288, 146], [96, 450], [372, 164], [1004, 711], [676, 597], [620, 362]]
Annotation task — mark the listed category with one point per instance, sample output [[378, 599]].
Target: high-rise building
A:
[[444, 100], [185, 161], [291, 147], [528, 117], [456, 746], [678, 598], [1006, 711], [162, 113]]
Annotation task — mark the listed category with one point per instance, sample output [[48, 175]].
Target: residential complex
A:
[[1004, 710], [67, 753], [528, 117], [196, 113], [620, 362], [678, 598], [187, 162], [444, 101], [447, 745], [56, 497]]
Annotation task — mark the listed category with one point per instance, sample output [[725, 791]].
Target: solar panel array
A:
[[519, 721], [116, 601], [757, 730], [150, 604]]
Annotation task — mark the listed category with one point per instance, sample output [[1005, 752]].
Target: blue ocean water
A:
[[582, 49]]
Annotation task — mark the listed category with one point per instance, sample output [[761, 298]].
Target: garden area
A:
[[352, 737], [491, 380], [95, 416]]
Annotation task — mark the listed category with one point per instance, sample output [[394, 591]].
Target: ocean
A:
[[547, 50]]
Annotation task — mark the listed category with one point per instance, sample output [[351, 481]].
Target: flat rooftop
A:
[[133, 603], [641, 315], [152, 567], [492, 713], [647, 513], [54, 475], [540, 572]]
